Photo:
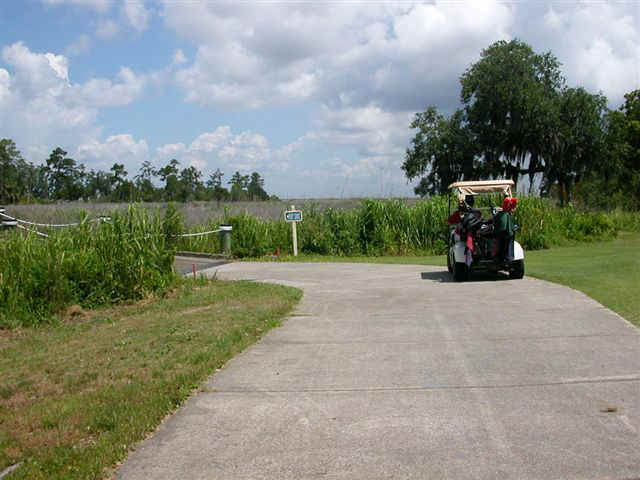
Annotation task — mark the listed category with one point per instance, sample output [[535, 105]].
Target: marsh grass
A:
[[92, 264], [392, 227]]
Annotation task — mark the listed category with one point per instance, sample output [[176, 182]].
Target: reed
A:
[[91, 264]]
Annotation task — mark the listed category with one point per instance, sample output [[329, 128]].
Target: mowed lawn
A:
[[607, 271], [74, 397]]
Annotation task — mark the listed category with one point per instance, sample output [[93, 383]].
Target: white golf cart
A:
[[477, 243]]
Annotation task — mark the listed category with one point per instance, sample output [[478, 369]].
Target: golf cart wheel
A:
[[460, 272], [449, 266], [517, 269]]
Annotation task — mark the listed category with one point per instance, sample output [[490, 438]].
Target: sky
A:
[[317, 96]]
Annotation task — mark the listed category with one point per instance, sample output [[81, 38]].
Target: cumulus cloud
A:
[[599, 45], [136, 14], [379, 138], [115, 149], [40, 107], [103, 92], [397, 55], [222, 149], [99, 5]]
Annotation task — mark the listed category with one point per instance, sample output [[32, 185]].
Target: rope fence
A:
[[20, 224], [197, 234], [40, 234], [51, 225]]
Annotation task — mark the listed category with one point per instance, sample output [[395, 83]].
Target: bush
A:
[[92, 264]]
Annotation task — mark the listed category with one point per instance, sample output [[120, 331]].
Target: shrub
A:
[[92, 264]]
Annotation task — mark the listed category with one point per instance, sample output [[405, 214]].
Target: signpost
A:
[[293, 216]]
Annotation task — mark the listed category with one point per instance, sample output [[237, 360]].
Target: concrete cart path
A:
[[393, 371]]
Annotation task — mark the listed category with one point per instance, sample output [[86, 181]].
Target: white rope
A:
[[197, 234], [51, 225], [33, 231]]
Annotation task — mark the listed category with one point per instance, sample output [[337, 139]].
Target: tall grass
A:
[[392, 227], [92, 264]]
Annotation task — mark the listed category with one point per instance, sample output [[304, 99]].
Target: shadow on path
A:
[[444, 276]]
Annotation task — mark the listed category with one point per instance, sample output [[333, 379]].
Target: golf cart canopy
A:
[[482, 186]]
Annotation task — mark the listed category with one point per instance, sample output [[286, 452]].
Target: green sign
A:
[[293, 215]]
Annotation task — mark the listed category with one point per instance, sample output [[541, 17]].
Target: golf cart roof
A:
[[482, 186]]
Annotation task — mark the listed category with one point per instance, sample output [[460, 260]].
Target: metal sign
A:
[[293, 215]]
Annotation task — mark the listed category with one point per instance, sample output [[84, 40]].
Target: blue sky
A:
[[317, 96]]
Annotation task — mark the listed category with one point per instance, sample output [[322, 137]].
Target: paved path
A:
[[187, 263], [393, 372]]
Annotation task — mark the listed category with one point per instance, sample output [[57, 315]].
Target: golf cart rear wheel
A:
[[460, 272], [517, 269]]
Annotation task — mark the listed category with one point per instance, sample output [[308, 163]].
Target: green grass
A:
[[607, 271], [75, 396]]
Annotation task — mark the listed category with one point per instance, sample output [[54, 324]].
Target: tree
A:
[[35, 181], [98, 185], [615, 180], [239, 185], [64, 176], [215, 184], [12, 166], [144, 181], [122, 188], [255, 188], [169, 175], [510, 97], [191, 184], [577, 143], [442, 150]]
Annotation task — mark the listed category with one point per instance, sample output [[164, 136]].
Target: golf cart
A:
[[483, 244]]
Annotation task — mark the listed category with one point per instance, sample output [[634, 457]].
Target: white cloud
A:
[[399, 56], [41, 108], [101, 92], [179, 58], [598, 44], [81, 45], [107, 29], [136, 14], [222, 149], [99, 5], [115, 149], [5, 85]]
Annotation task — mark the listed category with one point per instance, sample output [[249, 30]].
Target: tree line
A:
[[519, 119], [62, 178]]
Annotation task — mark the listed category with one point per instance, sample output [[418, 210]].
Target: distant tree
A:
[[122, 188], [169, 175], [191, 186], [255, 187], [98, 185], [64, 176], [35, 182], [215, 185], [11, 167], [239, 184], [144, 182]]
